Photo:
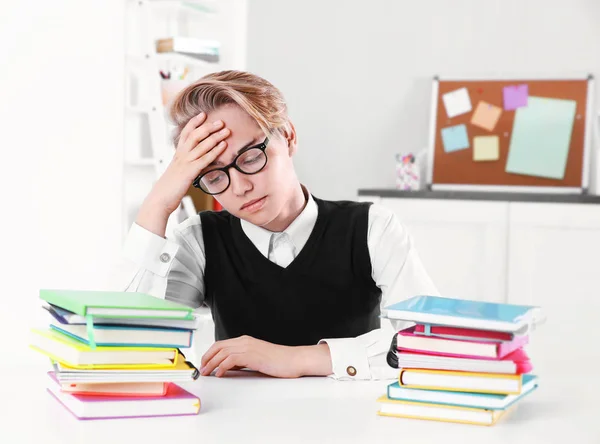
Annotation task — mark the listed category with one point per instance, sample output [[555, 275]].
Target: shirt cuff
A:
[[349, 359], [149, 251]]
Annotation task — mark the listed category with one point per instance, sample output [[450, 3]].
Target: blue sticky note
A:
[[455, 138], [541, 136]]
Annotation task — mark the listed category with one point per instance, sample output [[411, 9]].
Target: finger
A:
[[207, 144], [216, 360], [193, 123], [202, 132], [208, 158], [216, 348], [230, 363]]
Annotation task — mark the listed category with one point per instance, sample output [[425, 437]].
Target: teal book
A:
[[435, 310], [128, 336], [462, 399], [115, 304]]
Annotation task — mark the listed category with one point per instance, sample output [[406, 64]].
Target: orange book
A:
[[114, 388]]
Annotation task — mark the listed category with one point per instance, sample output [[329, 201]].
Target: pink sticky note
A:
[[515, 96]]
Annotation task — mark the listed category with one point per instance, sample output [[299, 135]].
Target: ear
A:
[[290, 137]]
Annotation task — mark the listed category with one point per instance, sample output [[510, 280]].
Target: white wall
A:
[[357, 74], [61, 119]]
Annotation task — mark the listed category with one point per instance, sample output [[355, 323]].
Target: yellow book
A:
[[498, 383], [66, 350], [438, 412]]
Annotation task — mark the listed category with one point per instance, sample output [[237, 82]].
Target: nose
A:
[[240, 183]]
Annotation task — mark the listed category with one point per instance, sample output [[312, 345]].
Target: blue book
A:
[[435, 310], [462, 399], [128, 336]]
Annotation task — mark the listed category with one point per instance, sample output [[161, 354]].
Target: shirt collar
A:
[[298, 231]]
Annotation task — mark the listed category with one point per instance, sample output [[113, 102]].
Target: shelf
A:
[[140, 162], [137, 109], [190, 6], [183, 58]]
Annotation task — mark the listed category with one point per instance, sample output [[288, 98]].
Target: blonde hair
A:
[[253, 94]]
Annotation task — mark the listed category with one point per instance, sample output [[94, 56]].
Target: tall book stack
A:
[[117, 354], [462, 361]]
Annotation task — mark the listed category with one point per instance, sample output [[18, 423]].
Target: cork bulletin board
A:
[[510, 135]]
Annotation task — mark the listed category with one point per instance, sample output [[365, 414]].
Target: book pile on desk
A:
[[462, 361], [117, 354]]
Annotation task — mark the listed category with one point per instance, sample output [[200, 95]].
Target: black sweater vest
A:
[[326, 292]]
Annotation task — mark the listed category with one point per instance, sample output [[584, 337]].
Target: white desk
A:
[[248, 408]]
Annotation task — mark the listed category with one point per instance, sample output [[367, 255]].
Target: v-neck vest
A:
[[326, 292]]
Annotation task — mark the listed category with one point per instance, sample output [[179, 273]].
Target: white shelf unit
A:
[[148, 145]]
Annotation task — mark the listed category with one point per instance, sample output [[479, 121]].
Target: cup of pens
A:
[[172, 83], [408, 174]]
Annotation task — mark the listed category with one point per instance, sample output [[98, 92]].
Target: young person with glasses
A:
[[294, 283]]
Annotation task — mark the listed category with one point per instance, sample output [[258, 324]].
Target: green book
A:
[[116, 304]]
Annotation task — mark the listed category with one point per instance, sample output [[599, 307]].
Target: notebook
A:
[[438, 412], [460, 381], [516, 362], [408, 340], [68, 317], [115, 388], [176, 401], [463, 399], [63, 348], [462, 313], [182, 371], [123, 336], [115, 304]]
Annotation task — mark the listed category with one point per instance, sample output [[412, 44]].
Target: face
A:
[[258, 198]]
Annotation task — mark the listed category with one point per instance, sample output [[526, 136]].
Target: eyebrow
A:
[[215, 162]]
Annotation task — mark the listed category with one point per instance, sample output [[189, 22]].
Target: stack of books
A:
[[462, 361], [117, 354]]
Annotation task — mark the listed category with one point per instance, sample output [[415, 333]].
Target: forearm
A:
[[314, 360], [152, 218]]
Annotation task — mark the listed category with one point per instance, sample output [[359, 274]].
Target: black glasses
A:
[[249, 161]]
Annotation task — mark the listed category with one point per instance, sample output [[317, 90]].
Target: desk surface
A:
[[249, 408]]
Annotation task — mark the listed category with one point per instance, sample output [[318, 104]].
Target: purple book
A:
[[175, 402]]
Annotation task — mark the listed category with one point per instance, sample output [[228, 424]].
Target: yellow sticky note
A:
[[486, 148], [486, 116]]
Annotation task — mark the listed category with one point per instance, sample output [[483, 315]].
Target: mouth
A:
[[254, 205]]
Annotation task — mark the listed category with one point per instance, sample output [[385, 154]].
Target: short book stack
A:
[[117, 354], [462, 361]]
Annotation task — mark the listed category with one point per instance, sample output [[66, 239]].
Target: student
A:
[[294, 283]]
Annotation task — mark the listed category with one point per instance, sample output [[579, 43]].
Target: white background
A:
[[356, 74]]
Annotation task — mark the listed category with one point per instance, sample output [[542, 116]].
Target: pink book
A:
[[516, 362], [408, 340], [468, 334], [175, 402]]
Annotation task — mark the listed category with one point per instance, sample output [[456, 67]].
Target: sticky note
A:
[[455, 138], [515, 96], [486, 115], [541, 136], [486, 148], [457, 102]]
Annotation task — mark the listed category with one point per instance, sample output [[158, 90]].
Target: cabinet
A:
[[554, 262], [462, 244]]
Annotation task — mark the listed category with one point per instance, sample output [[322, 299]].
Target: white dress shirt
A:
[[175, 268]]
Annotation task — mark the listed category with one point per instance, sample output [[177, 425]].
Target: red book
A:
[[408, 340]]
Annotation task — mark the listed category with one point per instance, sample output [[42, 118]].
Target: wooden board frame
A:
[[587, 138]]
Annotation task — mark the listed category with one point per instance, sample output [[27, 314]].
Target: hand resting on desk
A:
[[275, 360]]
